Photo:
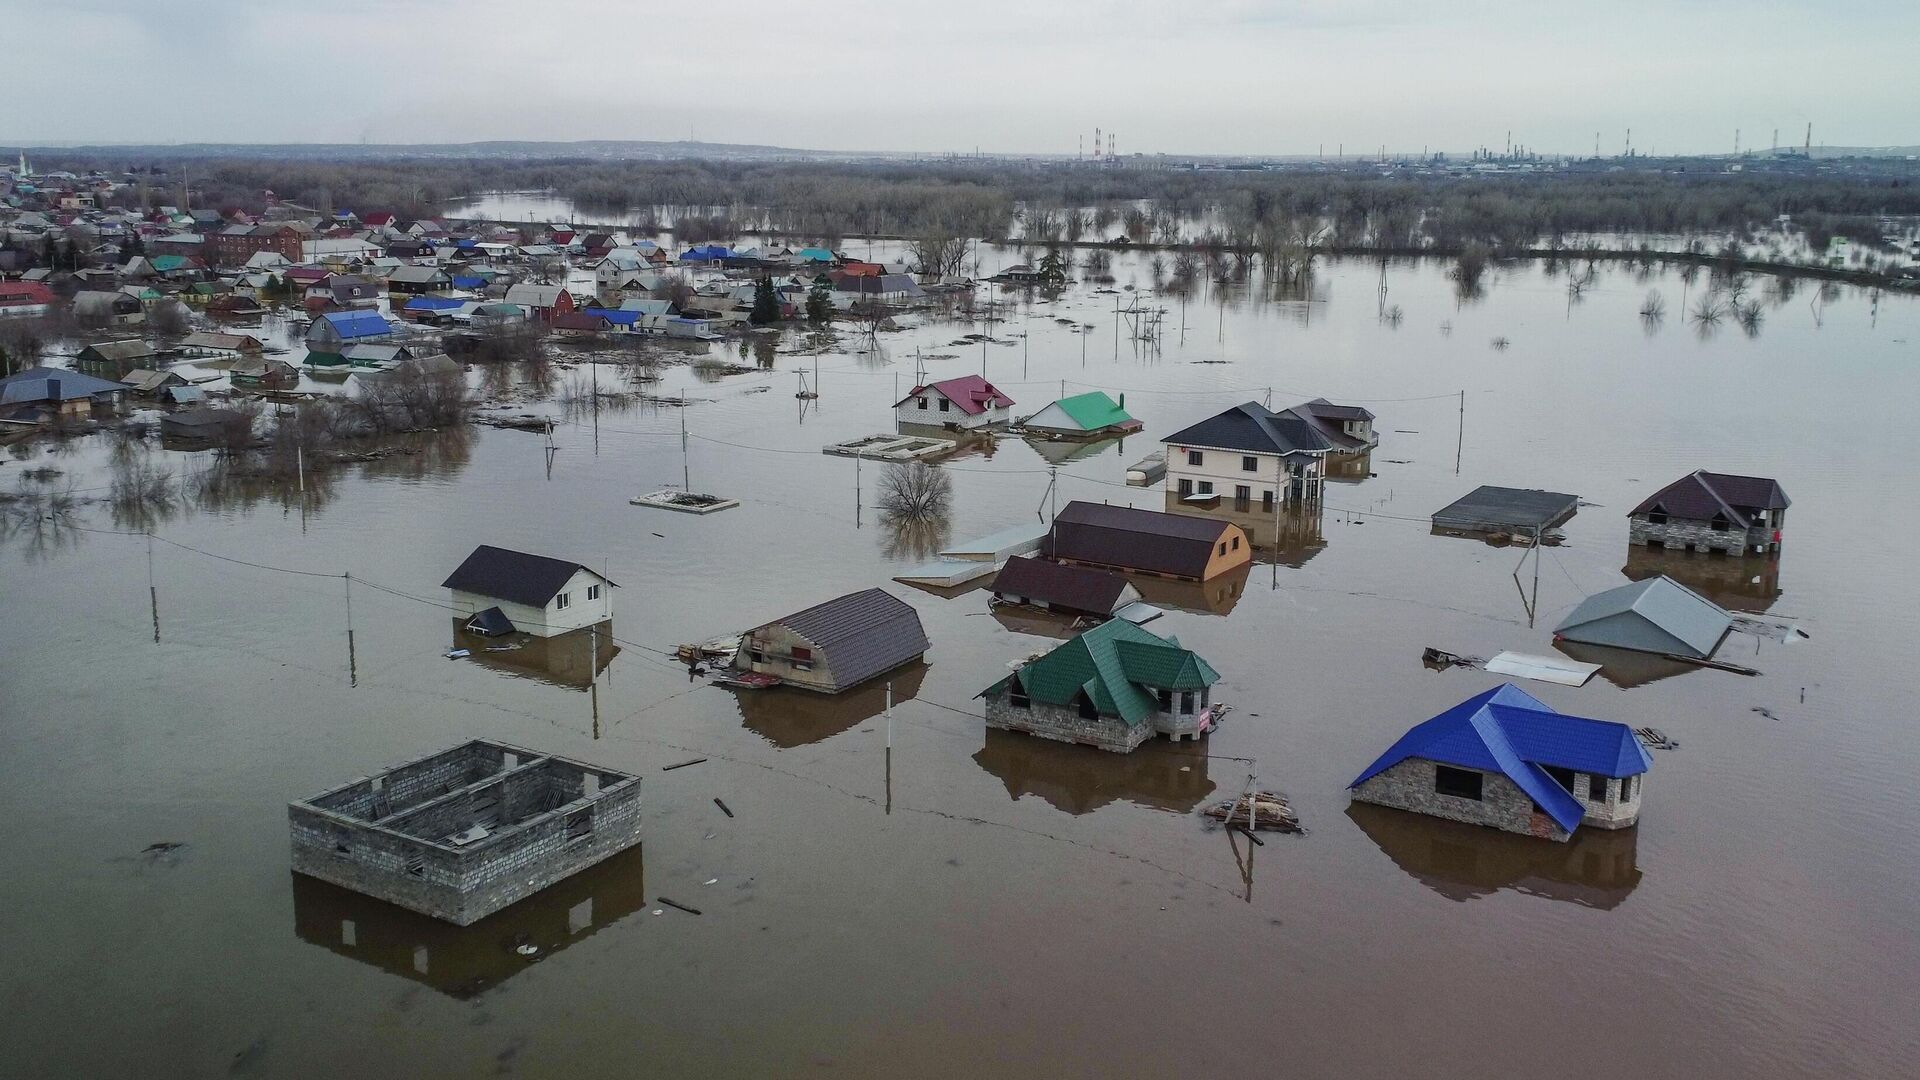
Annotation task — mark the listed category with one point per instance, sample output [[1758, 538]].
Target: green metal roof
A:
[[317, 358], [167, 262], [1118, 666], [1093, 410]]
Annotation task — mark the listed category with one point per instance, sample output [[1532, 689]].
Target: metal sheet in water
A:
[[1551, 669]]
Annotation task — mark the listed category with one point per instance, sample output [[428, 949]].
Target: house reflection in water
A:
[[1349, 468], [466, 961], [1626, 668], [789, 717], [1733, 582], [1299, 538], [1064, 451], [569, 660], [1215, 597], [1079, 779], [1596, 868]]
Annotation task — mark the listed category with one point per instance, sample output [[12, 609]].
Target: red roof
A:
[[24, 292], [973, 394], [861, 269], [381, 218]]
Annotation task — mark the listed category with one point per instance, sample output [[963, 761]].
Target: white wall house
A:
[[541, 596], [969, 403], [1250, 455]]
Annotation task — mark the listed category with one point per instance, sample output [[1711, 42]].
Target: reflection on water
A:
[[466, 961], [1289, 536], [1215, 597], [788, 718], [1625, 668], [571, 660], [1597, 868], [1030, 620], [1080, 779], [1065, 451], [1749, 584], [913, 539]]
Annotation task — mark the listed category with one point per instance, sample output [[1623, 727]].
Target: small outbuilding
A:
[[1146, 542], [1070, 590], [1706, 511], [969, 403], [148, 383], [1521, 511], [1658, 615], [1086, 416], [1505, 760], [536, 594], [836, 645], [204, 425], [1112, 687]]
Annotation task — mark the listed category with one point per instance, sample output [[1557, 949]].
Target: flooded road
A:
[[975, 903]]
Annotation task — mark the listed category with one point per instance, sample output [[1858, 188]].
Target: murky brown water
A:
[[995, 905]]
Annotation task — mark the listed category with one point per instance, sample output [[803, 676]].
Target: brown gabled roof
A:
[[1072, 588], [1700, 495], [1134, 539]]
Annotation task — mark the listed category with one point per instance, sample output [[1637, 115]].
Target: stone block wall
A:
[[1065, 724], [1699, 535], [1502, 805], [416, 782], [1605, 808]]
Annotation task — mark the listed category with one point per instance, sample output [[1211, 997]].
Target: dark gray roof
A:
[[1074, 588], [1134, 539], [1254, 428], [1700, 495], [861, 634], [1489, 508], [513, 576], [1657, 615]]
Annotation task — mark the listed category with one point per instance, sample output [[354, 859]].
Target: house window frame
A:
[[923, 404], [562, 601], [1017, 695], [1196, 459], [1459, 783], [945, 405], [1597, 788], [593, 592], [1249, 463]]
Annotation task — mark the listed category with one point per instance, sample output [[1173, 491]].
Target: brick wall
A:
[[1699, 535], [1502, 805]]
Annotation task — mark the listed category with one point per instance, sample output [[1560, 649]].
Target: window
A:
[[1087, 711], [1236, 543], [1242, 495], [593, 592], [1186, 703], [1017, 695], [1626, 788], [1206, 487], [1597, 788], [563, 601], [1194, 457], [1186, 487], [580, 825], [1266, 501], [756, 656], [1656, 517], [1223, 547], [417, 866], [923, 404], [801, 659], [945, 405], [1563, 777], [1166, 701], [1719, 523], [1249, 464], [1206, 696], [1460, 783]]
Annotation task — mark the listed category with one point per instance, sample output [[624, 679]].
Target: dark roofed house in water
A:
[[836, 645], [1705, 511], [1514, 511], [535, 594], [1146, 541]]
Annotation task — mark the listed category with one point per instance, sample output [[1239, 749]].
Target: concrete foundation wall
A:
[[1065, 724], [1700, 536], [409, 785]]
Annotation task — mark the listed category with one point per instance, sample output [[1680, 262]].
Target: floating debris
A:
[[1654, 739], [1265, 809], [674, 904], [1440, 659], [682, 765]]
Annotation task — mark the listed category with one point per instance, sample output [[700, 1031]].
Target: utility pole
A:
[[686, 469], [1460, 445]]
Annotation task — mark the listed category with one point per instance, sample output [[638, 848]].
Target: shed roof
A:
[[1254, 428], [1488, 507], [514, 576], [1117, 666], [1656, 615], [1700, 495], [1137, 539], [124, 349], [1094, 410], [861, 634], [1074, 588], [1508, 731]]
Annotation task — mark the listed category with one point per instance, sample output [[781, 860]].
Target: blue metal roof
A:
[[616, 316], [357, 324], [433, 303], [1508, 731], [468, 281]]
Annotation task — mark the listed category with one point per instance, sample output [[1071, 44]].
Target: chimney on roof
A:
[[1123, 399]]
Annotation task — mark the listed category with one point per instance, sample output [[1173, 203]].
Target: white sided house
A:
[[969, 403], [1248, 453], [535, 594]]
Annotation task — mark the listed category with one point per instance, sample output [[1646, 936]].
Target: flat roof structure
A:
[[1501, 509], [465, 832]]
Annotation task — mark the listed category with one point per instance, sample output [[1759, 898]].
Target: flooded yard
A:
[[975, 903]]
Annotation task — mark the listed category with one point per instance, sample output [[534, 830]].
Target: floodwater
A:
[[971, 903]]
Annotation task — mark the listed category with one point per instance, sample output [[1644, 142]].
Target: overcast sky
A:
[[1173, 76]]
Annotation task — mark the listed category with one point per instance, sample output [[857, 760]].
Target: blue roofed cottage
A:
[[1505, 760]]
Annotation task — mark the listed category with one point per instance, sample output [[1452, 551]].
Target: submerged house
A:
[[969, 403], [336, 328], [463, 833], [1348, 427], [1069, 590], [42, 393], [1658, 615], [1504, 760], [534, 594], [1089, 415], [1502, 510], [1249, 451], [1705, 511], [836, 645], [1146, 542], [1112, 687]]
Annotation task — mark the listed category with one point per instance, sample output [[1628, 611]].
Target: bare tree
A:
[[915, 491]]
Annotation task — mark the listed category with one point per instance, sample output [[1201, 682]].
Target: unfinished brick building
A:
[[465, 832]]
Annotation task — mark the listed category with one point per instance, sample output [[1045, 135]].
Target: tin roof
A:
[[1657, 615], [1506, 730], [1094, 410], [1254, 428], [515, 576], [1073, 588], [1118, 667], [973, 394], [1487, 508], [1135, 539], [861, 634], [1700, 495]]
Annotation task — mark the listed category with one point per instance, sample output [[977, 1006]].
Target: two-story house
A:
[[1248, 453]]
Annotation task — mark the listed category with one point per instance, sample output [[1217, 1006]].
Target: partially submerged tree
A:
[[915, 491], [820, 303], [766, 303]]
